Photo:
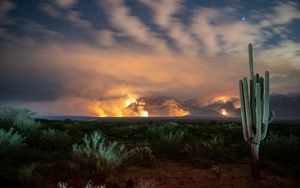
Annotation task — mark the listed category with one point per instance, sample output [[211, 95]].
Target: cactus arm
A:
[[252, 86], [243, 115], [262, 86], [258, 114], [252, 82], [266, 107], [247, 108], [252, 102], [257, 78], [272, 117], [252, 97], [250, 61]]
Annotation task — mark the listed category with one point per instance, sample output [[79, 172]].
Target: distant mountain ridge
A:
[[285, 106]]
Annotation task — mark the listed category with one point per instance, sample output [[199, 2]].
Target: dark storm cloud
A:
[[286, 106], [22, 80]]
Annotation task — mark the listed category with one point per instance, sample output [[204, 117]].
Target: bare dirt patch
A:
[[176, 175]]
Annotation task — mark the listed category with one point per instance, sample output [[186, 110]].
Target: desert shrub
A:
[[11, 143], [281, 148], [27, 171], [141, 156], [143, 183], [25, 123], [10, 138], [165, 127], [88, 185], [96, 152], [120, 131], [166, 140], [12, 150], [62, 184], [52, 139], [19, 118], [171, 123], [8, 114], [28, 177], [214, 147]]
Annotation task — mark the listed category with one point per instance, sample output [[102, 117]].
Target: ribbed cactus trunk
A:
[[255, 112], [255, 164]]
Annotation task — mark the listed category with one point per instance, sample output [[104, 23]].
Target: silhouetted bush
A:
[[214, 148], [51, 139], [167, 140], [141, 156], [27, 176]]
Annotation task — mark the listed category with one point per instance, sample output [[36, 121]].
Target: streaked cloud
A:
[[163, 11], [65, 3], [128, 25], [50, 10], [282, 13], [5, 7]]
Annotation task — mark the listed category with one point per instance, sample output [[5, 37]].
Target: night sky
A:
[[145, 57]]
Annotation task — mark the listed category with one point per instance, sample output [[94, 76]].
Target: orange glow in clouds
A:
[[131, 99], [222, 99], [119, 107], [99, 112]]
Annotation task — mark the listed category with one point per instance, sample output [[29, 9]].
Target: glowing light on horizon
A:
[[144, 113], [131, 105], [120, 107], [224, 112], [100, 113]]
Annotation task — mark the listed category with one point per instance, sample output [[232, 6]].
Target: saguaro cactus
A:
[[255, 111]]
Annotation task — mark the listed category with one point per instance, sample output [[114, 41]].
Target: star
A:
[[243, 18]]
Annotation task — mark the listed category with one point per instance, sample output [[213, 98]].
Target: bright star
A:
[[243, 18]]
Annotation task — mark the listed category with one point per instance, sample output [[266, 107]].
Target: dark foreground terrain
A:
[[68, 153]]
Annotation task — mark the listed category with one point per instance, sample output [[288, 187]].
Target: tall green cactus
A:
[[255, 112]]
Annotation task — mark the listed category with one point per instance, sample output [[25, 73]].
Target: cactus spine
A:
[[255, 111]]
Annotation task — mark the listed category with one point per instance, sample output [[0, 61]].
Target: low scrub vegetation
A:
[[78, 151], [52, 139], [282, 148]]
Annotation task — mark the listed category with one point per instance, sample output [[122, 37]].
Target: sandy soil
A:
[[176, 175]]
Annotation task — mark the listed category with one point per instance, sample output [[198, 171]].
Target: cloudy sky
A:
[[96, 57]]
